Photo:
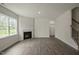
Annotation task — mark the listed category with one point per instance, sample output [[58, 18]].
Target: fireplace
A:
[[27, 35]]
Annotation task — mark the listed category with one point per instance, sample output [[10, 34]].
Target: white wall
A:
[[41, 27], [25, 24], [63, 29], [8, 41]]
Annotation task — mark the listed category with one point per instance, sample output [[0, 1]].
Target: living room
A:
[[27, 22]]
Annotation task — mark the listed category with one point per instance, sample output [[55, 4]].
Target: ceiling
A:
[[41, 10]]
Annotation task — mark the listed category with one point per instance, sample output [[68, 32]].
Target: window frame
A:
[[9, 34]]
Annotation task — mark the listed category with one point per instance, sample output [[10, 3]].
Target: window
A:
[[12, 26], [3, 25], [7, 25]]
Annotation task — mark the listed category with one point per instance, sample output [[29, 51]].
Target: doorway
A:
[[52, 28]]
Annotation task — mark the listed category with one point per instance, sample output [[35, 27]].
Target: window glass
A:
[[3, 25], [8, 26], [12, 26]]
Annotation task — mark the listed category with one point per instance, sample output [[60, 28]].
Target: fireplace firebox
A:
[[27, 35]]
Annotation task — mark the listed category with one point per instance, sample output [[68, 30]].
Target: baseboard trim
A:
[[41, 38]]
